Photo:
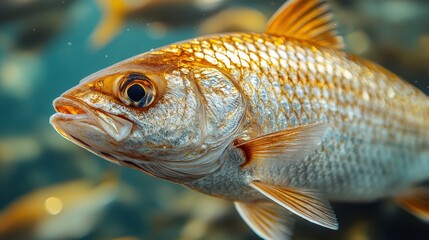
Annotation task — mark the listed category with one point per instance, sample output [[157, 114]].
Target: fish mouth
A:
[[73, 113], [69, 110]]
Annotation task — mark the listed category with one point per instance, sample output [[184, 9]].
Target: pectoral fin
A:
[[267, 219], [289, 144], [308, 204], [309, 20], [415, 201]]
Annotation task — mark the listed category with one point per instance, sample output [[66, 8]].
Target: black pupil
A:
[[136, 92]]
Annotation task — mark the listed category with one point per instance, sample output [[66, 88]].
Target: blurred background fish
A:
[[216, 16], [64, 211], [231, 20], [394, 33], [30, 22], [158, 12]]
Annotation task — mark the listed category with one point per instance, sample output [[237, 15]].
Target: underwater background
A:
[[53, 189]]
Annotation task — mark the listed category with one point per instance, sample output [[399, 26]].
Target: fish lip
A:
[[71, 109], [68, 109]]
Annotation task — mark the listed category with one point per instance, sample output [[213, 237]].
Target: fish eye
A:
[[136, 90]]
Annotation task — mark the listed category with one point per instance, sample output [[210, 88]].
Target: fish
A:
[[67, 210], [116, 13], [281, 122], [34, 22], [13, 11], [234, 19], [157, 16]]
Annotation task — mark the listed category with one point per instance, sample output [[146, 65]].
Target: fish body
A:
[[374, 144], [278, 122]]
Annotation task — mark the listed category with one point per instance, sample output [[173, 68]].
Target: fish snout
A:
[[75, 112]]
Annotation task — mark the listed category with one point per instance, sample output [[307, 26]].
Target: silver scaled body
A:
[[378, 136]]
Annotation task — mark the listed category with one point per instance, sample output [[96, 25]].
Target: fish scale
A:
[[372, 132], [309, 82]]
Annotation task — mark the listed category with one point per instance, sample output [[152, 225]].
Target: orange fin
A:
[[290, 144], [111, 23], [308, 204], [267, 219], [309, 20], [415, 201]]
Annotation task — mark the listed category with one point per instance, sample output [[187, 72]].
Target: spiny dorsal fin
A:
[[309, 20], [415, 201], [267, 219], [290, 144], [308, 204]]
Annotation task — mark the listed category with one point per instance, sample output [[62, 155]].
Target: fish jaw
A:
[[89, 128]]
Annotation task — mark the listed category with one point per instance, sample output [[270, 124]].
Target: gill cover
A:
[[223, 104], [221, 109]]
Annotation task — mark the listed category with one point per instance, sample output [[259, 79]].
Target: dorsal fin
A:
[[309, 20]]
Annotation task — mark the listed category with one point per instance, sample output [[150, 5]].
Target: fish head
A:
[[157, 113]]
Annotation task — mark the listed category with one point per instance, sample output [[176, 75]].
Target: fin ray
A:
[[268, 220], [302, 19], [415, 201], [313, 15], [308, 204], [290, 144]]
